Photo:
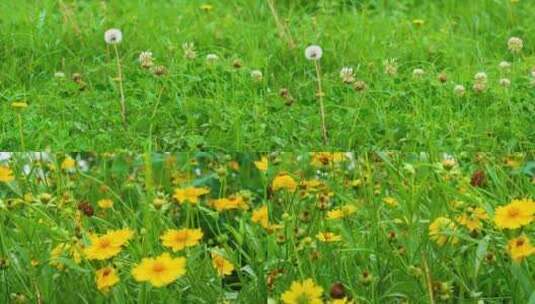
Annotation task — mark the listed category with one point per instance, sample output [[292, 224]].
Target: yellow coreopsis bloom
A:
[[341, 212], [160, 271], [390, 201], [328, 237], [284, 181], [303, 292], [520, 248], [106, 278], [441, 229], [68, 163], [260, 216], [6, 175], [234, 202], [105, 203], [320, 159], [223, 266], [108, 245], [180, 239], [190, 195], [262, 164], [472, 218], [515, 215]]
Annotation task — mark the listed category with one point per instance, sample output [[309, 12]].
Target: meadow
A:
[[232, 75], [288, 228]]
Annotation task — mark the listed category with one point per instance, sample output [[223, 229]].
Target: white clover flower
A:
[[504, 82], [189, 50], [257, 75], [418, 73], [480, 87], [145, 59], [391, 67], [113, 36], [505, 65], [515, 45], [459, 90], [481, 77], [346, 74], [211, 58], [313, 52]]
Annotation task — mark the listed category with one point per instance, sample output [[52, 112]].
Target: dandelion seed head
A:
[[313, 52], [113, 36]]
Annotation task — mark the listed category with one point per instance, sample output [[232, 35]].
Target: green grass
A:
[[40, 210], [222, 108]]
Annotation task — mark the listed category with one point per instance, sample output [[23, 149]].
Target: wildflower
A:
[[504, 65], [108, 245], [160, 271], [284, 181], [504, 82], [360, 86], [440, 231], [390, 201], [516, 214], [515, 45], [113, 36], [418, 73], [6, 175], [328, 237], [237, 64], [189, 50], [313, 52], [159, 70], [337, 291], [346, 74], [68, 164], [303, 292], [222, 265], [481, 77], [190, 194], [105, 278], [105, 203], [145, 59], [520, 248], [211, 58], [257, 75], [459, 90], [320, 159], [472, 218], [442, 77], [262, 164], [180, 239], [391, 67], [341, 212], [261, 216]]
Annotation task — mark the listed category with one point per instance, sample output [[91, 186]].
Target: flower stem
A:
[[283, 30], [21, 134], [320, 96], [121, 90]]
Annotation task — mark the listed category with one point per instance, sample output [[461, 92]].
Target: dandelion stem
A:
[[121, 90], [283, 30], [320, 96], [21, 134]]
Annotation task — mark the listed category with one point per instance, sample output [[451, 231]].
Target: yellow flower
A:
[[73, 250], [344, 300], [342, 212], [180, 239], [106, 277], [520, 248], [303, 292], [390, 201], [515, 215], [472, 218], [235, 202], [441, 231], [284, 181], [328, 237], [262, 164], [6, 175], [105, 203], [190, 194], [260, 216], [108, 245], [68, 163], [160, 271], [320, 159], [222, 265]]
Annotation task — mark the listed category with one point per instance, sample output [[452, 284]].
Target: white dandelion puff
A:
[[113, 36], [313, 52]]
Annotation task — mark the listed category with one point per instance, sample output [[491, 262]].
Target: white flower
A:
[[459, 90], [145, 59], [515, 45], [418, 73], [391, 67], [313, 52], [504, 82], [59, 74], [481, 77], [211, 58], [113, 36], [189, 50], [505, 65], [257, 75], [346, 73]]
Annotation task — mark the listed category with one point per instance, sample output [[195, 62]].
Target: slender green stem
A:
[[322, 107], [121, 89], [21, 134]]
